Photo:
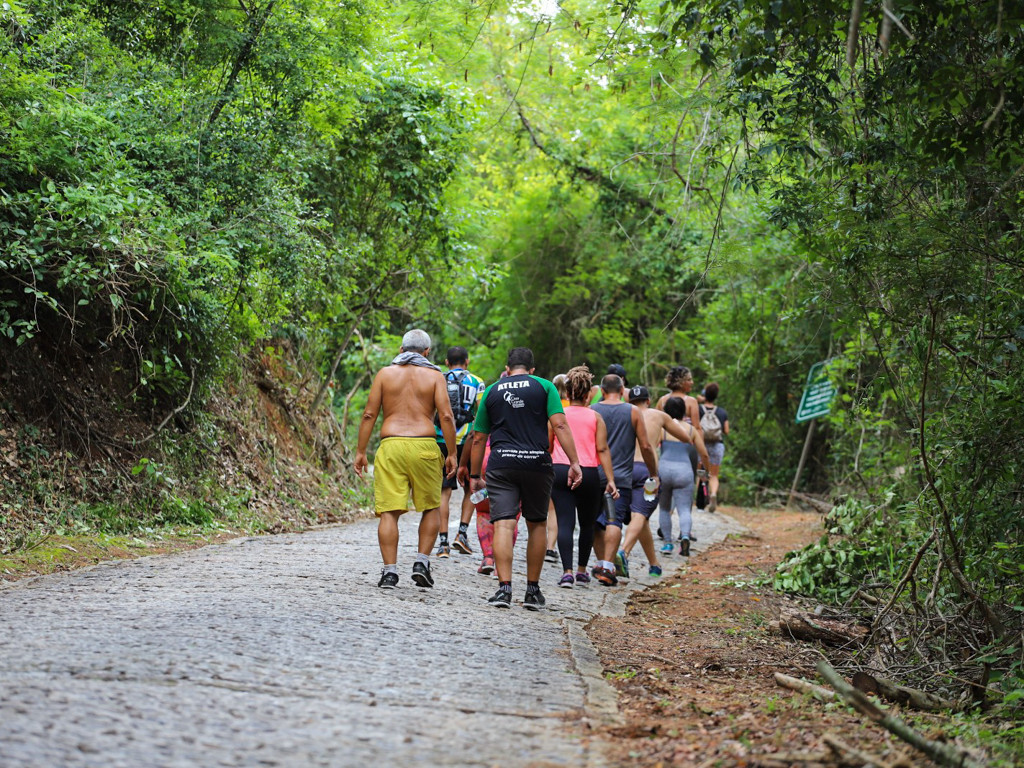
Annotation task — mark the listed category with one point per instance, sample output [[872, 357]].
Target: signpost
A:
[[818, 393], [816, 401]]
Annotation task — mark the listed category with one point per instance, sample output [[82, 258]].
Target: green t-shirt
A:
[[514, 411]]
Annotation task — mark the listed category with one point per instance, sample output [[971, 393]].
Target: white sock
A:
[[421, 558], [391, 568]]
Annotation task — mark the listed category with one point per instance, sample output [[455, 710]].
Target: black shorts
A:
[[508, 488], [452, 482]]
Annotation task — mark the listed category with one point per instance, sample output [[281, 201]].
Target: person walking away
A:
[[615, 369], [656, 423], [714, 422], [408, 392], [550, 555], [515, 413], [625, 431], [464, 392], [583, 503], [679, 381], [484, 526], [677, 479]]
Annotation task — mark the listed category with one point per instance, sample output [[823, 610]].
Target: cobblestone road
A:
[[280, 650]]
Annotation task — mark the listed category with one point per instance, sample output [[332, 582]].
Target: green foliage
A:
[[146, 201], [893, 158], [863, 544]]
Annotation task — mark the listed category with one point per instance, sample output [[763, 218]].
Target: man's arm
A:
[[650, 457], [604, 455], [370, 413], [560, 426], [476, 463], [467, 453], [447, 420], [694, 436]]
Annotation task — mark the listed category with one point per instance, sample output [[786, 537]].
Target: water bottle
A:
[[651, 488], [609, 506], [478, 496]]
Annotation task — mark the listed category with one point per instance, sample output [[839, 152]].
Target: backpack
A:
[[462, 415], [710, 425]]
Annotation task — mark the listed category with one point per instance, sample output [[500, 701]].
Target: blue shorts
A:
[[638, 503], [716, 452], [622, 512]]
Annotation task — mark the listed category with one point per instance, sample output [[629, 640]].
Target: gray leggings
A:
[[676, 491]]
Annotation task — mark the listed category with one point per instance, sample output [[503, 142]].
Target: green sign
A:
[[818, 393]]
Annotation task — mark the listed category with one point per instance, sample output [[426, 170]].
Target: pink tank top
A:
[[583, 423]]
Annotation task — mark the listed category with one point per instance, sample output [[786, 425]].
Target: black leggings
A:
[[583, 503]]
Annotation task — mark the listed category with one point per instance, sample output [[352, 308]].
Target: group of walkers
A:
[[522, 445]]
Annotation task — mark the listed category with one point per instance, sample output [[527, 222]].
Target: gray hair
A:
[[416, 341]]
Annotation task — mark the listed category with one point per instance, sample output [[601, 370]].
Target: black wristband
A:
[[474, 477]]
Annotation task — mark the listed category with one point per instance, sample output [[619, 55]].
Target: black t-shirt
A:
[[514, 411]]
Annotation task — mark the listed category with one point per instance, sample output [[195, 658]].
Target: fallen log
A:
[[893, 692], [942, 753], [818, 505], [800, 626], [802, 686]]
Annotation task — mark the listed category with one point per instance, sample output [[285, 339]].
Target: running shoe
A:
[[712, 504], [582, 579], [486, 566], [655, 571], [388, 580], [621, 564], [693, 537], [567, 581], [443, 550], [501, 599], [667, 548], [421, 575], [684, 548], [551, 556], [534, 600], [605, 577], [660, 534], [461, 544]]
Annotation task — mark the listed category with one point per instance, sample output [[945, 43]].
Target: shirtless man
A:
[[409, 391], [655, 421]]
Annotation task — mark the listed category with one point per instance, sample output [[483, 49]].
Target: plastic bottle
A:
[[651, 488], [478, 496]]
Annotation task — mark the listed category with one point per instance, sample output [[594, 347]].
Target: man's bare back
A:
[[654, 421], [408, 395]]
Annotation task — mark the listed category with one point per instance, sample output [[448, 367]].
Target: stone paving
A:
[[281, 651]]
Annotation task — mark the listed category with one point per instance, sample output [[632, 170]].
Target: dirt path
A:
[[693, 662]]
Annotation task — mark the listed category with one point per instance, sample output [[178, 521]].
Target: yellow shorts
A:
[[405, 464]]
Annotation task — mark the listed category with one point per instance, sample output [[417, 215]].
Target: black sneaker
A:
[[421, 575], [461, 544], [388, 580], [501, 599], [684, 547], [534, 600], [660, 534], [550, 556]]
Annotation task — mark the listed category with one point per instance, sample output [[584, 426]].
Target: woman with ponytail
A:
[[582, 504]]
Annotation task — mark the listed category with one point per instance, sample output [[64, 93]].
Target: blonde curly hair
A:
[[578, 382]]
